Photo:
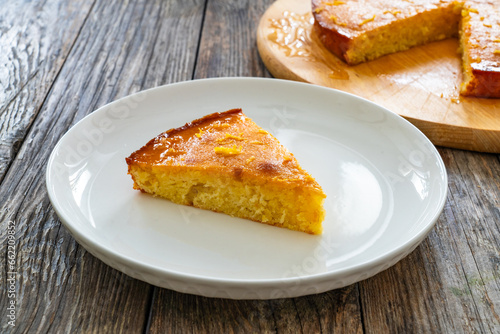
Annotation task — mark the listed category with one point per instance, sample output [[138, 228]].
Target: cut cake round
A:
[[361, 30]]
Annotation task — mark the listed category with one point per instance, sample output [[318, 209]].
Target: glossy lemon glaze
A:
[[227, 142], [480, 42], [352, 18], [484, 40], [358, 31]]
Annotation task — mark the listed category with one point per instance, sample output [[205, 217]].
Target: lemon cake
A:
[[226, 163], [480, 44], [362, 30]]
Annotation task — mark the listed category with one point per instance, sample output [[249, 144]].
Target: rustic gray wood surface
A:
[[60, 60]]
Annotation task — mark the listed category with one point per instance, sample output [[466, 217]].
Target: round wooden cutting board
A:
[[421, 84]]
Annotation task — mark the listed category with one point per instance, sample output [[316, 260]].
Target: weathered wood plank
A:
[[475, 231], [336, 311], [332, 312], [228, 44], [174, 312], [122, 47], [35, 39], [449, 284]]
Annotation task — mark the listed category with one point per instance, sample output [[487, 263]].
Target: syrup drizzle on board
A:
[[292, 34], [421, 84]]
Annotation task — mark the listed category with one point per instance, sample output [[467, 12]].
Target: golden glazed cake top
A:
[[229, 141], [483, 27], [352, 18]]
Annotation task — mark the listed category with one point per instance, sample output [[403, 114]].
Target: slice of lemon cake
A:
[[226, 163]]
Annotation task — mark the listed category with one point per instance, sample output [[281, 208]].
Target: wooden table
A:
[[60, 60]]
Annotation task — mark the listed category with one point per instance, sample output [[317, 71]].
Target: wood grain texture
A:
[[421, 84], [60, 287], [449, 284], [35, 38], [228, 44]]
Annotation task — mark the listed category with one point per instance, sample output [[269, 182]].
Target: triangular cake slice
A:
[[226, 163]]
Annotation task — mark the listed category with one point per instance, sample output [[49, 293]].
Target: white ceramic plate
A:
[[386, 186]]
